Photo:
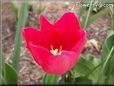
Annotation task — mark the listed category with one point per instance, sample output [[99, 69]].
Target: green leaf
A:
[[10, 74], [107, 59], [83, 80], [109, 43], [51, 79], [18, 39], [87, 67], [83, 67], [110, 79], [94, 60], [106, 68], [93, 75]]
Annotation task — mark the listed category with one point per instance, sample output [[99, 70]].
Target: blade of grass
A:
[[113, 18], [110, 66], [0, 63], [18, 39], [0, 47], [3, 81], [10, 75], [98, 15], [83, 8], [89, 11]]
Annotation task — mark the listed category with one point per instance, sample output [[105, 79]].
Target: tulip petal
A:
[[32, 35], [39, 53], [80, 44], [60, 64], [68, 23], [44, 23], [49, 34], [68, 26]]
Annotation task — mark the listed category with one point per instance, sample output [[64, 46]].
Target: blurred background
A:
[[29, 71]]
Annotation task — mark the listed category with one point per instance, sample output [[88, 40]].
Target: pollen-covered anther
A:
[[56, 51]]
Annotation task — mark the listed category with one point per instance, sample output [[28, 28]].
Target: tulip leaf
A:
[[109, 43], [94, 73], [87, 67], [51, 79], [83, 67], [107, 59], [83, 80], [18, 39], [110, 79], [10, 74]]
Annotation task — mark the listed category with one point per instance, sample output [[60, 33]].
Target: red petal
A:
[[32, 35], [44, 23], [68, 26], [49, 34], [39, 53], [80, 44], [60, 64], [68, 23]]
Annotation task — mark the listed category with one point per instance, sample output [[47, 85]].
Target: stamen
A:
[[56, 51], [60, 49], [52, 47]]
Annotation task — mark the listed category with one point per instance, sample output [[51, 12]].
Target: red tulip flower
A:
[[56, 47]]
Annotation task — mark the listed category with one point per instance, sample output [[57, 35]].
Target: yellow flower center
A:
[[56, 51]]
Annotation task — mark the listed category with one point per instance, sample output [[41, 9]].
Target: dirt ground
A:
[[30, 72]]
